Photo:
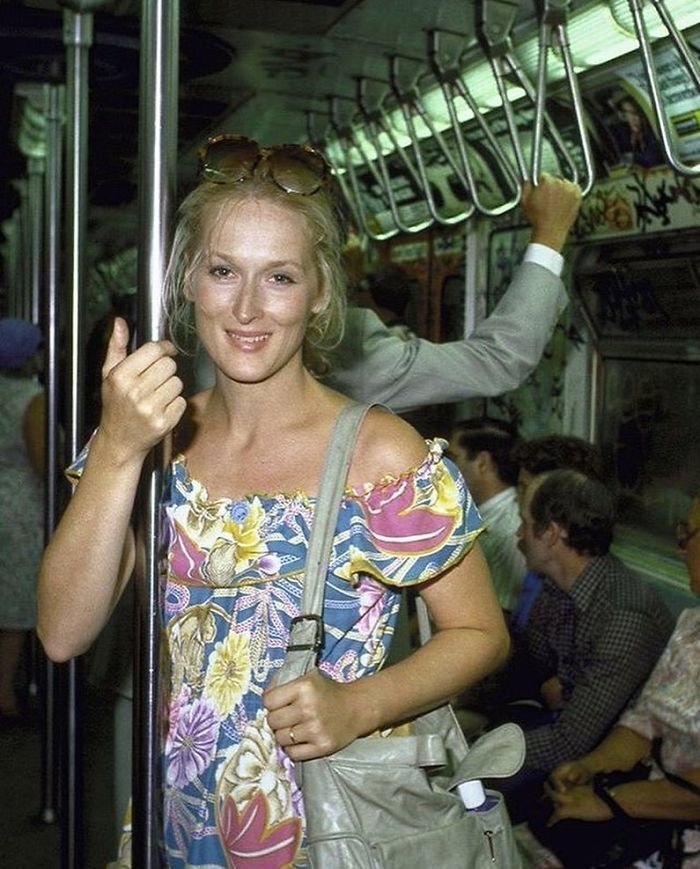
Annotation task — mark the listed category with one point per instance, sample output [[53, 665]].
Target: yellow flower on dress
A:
[[246, 535], [228, 672], [186, 637], [219, 566], [356, 565], [445, 499]]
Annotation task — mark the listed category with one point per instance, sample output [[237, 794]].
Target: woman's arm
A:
[[658, 800], [91, 554], [621, 749], [469, 640]]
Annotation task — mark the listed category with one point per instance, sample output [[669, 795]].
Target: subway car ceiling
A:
[[431, 113]]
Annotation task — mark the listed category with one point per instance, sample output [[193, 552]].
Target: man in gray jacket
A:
[[374, 364]]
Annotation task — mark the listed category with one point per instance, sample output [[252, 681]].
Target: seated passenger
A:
[[481, 448], [535, 456], [601, 632], [612, 806]]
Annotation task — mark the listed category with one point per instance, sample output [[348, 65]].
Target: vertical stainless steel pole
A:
[[77, 37], [35, 198], [23, 249], [160, 20], [52, 210]]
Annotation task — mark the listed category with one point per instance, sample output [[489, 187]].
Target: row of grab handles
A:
[[371, 126]]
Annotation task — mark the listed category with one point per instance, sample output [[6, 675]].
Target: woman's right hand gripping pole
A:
[[90, 556]]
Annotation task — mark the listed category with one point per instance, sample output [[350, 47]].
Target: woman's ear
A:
[[322, 300]]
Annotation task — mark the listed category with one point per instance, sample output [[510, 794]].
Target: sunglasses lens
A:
[[297, 170], [229, 158]]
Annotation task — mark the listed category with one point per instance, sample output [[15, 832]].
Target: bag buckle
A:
[[313, 646]]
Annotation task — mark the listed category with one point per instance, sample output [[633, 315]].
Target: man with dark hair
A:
[[600, 631], [482, 447], [535, 456]]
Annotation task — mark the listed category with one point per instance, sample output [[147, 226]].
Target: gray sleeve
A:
[[371, 364]]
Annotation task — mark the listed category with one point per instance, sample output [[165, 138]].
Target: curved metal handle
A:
[[353, 202], [553, 32], [636, 8], [375, 125], [410, 108], [452, 86], [495, 20], [354, 194]]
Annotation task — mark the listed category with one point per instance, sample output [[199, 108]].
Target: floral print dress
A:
[[233, 574]]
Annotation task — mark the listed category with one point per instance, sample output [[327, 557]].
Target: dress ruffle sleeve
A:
[[407, 530]]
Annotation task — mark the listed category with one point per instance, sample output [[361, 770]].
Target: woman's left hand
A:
[[312, 716], [579, 802]]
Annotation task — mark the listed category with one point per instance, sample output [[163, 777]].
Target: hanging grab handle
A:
[[495, 20], [349, 194], [691, 65], [453, 87], [376, 124], [553, 34], [346, 143], [411, 108]]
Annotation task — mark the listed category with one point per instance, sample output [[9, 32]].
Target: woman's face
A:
[[255, 289], [692, 548]]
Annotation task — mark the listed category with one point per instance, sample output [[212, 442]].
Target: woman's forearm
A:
[[621, 749], [659, 799], [90, 555], [451, 661]]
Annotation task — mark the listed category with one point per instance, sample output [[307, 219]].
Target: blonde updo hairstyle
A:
[[207, 206]]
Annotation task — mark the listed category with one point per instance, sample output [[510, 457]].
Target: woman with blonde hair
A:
[[255, 271]]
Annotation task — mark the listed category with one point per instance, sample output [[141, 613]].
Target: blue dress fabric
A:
[[232, 579]]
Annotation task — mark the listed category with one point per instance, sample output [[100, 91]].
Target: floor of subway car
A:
[[26, 841]]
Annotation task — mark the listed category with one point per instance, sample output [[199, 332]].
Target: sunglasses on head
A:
[[294, 168]]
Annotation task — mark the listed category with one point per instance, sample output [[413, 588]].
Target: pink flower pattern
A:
[[251, 842]]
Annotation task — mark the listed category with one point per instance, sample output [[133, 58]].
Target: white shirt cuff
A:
[[544, 256]]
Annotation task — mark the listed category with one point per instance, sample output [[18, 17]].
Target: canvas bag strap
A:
[[306, 632]]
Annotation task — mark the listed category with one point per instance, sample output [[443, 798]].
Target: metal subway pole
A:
[[77, 38], [23, 250], [52, 232], [160, 20], [35, 196]]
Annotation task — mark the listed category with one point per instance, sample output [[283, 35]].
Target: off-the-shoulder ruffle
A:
[[408, 529], [401, 530]]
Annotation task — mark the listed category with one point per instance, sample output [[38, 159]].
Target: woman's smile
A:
[[247, 341]]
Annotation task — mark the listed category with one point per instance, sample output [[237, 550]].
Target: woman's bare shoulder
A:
[[386, 446]]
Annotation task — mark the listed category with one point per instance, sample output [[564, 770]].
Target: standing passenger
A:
[[21, 500], [256, 264]]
